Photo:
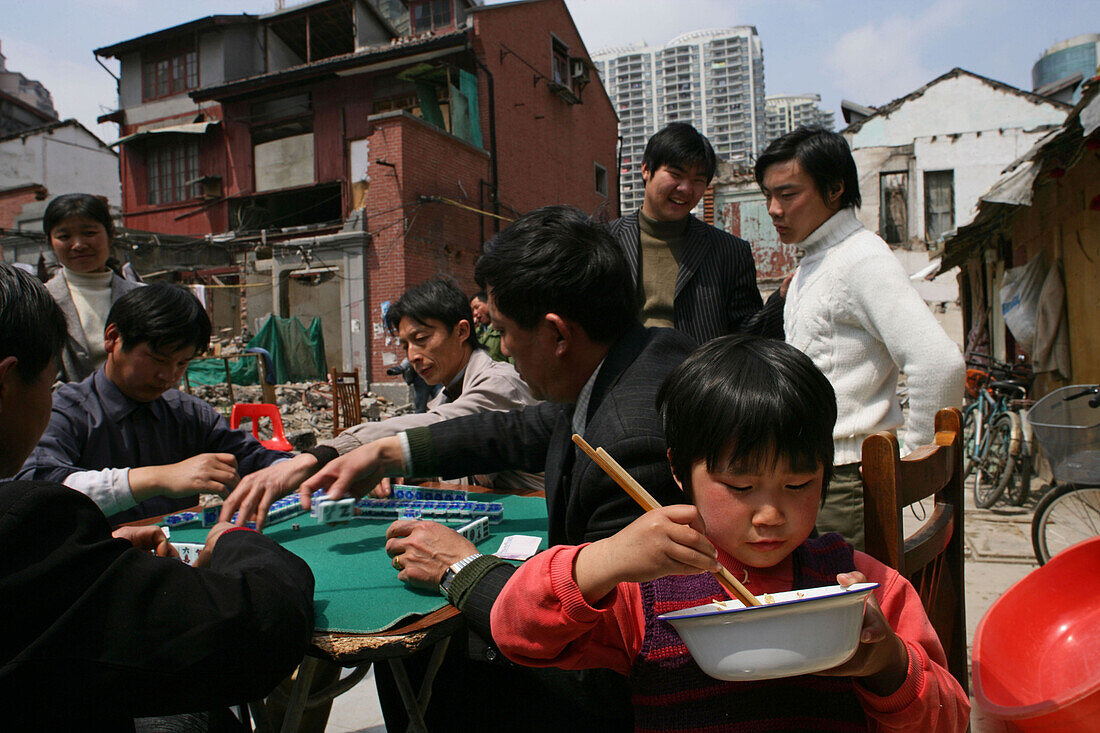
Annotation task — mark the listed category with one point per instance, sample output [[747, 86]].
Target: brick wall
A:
[[413, 241], [546, 148], [13, 201]]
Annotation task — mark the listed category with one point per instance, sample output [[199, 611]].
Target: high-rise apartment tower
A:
[[790, 111]]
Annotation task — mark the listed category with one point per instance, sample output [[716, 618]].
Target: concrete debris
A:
[[306, 408]]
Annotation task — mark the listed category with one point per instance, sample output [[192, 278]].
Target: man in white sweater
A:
[[852, 309]]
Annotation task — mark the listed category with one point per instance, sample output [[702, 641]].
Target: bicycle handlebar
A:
[[1094, 391]]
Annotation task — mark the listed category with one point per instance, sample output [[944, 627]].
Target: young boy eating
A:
[[749, 424]]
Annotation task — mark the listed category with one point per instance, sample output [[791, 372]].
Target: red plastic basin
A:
[[1037, 650]]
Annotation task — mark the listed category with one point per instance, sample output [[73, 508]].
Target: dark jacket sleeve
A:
[[118, 631], [767, 321], [486, 442]]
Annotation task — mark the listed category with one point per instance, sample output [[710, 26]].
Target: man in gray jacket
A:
[[435, 325]]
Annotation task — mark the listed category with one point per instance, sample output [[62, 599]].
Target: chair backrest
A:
[[254, 411], [931, 558], [345, 400]]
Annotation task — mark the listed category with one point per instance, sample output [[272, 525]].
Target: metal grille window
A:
[[431, 15], [169, 168], [893, 219], [173, 74], [939, 204]]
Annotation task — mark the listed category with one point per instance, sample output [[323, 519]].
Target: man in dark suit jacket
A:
[[688, 274], [560, 292]]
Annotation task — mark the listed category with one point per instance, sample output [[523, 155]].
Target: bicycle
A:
[[1068, 431], [994, 441]]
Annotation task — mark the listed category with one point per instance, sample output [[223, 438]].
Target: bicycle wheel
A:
[[993, 469], [1067, 515], [970, 415]]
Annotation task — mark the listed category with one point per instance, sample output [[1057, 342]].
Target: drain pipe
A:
[[494, 185]]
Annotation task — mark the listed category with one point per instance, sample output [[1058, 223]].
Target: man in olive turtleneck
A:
[[690, 275]]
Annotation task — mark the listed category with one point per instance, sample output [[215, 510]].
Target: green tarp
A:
[[212, 371], [297, 355]]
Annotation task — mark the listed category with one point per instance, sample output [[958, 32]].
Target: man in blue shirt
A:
[[125, 436]]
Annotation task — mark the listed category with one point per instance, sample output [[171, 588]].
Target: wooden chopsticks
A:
[[646, 501]]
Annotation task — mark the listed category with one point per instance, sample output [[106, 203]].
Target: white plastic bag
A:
[[1020, 300]]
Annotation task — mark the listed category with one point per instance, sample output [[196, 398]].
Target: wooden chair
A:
[[931, 557], [346, 410]]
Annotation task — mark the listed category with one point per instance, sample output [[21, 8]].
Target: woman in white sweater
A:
[[80, 231], [853, 311]]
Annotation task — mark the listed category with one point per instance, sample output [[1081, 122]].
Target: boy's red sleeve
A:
[[930, 699], [541, 619]]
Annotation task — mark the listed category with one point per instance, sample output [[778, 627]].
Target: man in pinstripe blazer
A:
[[688, 274]]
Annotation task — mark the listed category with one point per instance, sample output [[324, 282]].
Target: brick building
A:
[[345, 150]]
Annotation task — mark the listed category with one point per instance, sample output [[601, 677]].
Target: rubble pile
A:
[[306, 408]]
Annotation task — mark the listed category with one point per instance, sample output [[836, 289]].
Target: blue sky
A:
[[867, 51]]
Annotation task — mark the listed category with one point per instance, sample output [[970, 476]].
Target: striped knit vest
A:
[[672, 693]]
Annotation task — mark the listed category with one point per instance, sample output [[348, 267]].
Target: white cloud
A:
[[881, 61], [83, 91]]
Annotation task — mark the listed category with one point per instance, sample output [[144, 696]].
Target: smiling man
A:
[[125, 436], [435, 326], [853, 311], [688, 274]]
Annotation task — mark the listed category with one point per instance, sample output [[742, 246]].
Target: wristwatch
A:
[[451, 572]]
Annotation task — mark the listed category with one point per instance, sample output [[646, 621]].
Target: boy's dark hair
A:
[[78, 204], [745, 402], [681, 145], [164, 316], [480, 295], [440, 299], [824, 155], [32, 326], [558, 260]]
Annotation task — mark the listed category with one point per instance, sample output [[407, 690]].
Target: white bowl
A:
[[797, 632]]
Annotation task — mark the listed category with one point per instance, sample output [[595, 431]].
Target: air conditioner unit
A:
[[579, 71]]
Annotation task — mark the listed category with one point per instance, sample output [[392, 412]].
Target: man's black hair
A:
[[440, 299], [480, 295], [32, 326], [680, 145], [744, 402], [824, 155], [78, 204], [166, 317], [558, 260]]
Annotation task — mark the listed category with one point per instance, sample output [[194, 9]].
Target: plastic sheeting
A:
[[297, 355]]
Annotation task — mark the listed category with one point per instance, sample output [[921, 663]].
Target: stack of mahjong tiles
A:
[[285, 508], [441, 505]]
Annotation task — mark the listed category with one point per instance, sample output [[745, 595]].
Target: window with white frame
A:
[[939, 204]]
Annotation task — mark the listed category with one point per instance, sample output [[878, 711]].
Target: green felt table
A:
[[357, 590]]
